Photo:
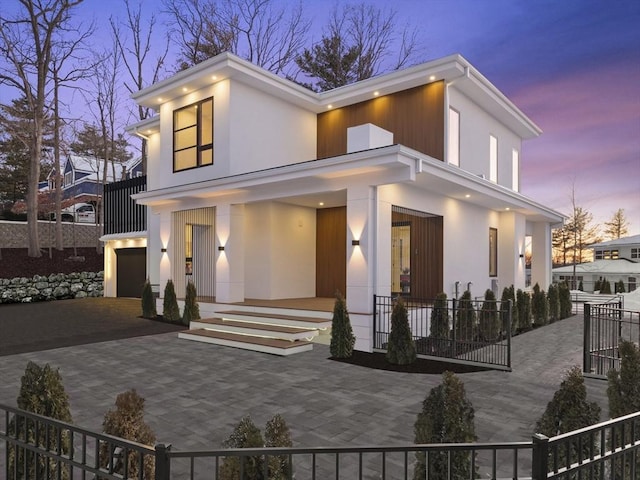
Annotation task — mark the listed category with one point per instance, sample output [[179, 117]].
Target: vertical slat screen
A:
[[201, 221], [121, 213]]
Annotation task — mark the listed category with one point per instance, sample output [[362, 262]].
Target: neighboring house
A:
[[615, 260], [406, 183]]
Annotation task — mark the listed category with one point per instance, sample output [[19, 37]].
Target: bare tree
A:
[[135, 39], [618, 226], [259, 31], [26, 43], [355, 45]]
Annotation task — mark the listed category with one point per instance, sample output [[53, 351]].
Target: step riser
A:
[[246, 346], [253, 331], [276, 321], [212, 308]]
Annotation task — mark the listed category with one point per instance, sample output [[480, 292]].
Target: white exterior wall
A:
[[266, 131], [511, 245], [280, 241], [475, 127]]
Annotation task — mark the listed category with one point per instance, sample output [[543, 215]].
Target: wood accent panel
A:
[[414, 116], [331, 251], [426, 253]]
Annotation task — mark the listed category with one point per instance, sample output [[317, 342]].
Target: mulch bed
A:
[[421, 365], [15, 262]]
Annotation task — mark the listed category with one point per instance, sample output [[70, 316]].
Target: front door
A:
[[131, 268], [331, 251]]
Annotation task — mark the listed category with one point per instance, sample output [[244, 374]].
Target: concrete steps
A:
[[247, 342]]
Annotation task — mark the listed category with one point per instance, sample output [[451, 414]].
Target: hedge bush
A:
[[401, 348], [170, 310]]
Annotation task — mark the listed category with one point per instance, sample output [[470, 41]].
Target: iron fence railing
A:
[[477, 332], [605, 326], [579, 299], [608, 450]]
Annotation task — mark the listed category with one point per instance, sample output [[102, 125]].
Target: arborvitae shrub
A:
[[148, 301], [620, 286], [569, 410], [401, 349], [277, 434], [191, 308], [565, 300], [553, 300], [489, 325], [127, 421], [170, 310], [539, 307], [508, 293], [439, 328], [624, 398], [465, 323], [605, 287], [342, 338], [244, 435], [446, 417], [581, 286], [598, 285], [524, 310], [41, 392]]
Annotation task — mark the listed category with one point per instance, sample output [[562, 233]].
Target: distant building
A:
[[615, 260]]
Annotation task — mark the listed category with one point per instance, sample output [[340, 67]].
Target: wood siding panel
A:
[[414, 116], [331, 251]]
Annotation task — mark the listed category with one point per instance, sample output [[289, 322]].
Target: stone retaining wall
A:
[[14, 234], [53, 287]]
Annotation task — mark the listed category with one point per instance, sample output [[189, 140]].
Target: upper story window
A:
[[68, 178], [454, 137], [607, 254], [515, 170], [193, 135], [493, 159]]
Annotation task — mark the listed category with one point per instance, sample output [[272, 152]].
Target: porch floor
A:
[[318, 304]]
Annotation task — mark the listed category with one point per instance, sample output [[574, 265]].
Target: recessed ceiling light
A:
[[184, 89], [329, 106], [159, 99], [507, 208], [376, 93], [467, 196], [432, 78], [214, 77], [321, 204]]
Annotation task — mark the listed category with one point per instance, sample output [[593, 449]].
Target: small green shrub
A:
[[277, 434], [244, 435], [605, 287], [446, 417], [539, 307], [581, 286], [170, 310], [565, 300], [509, 294], [401, 349], [148, 301], [342, 338], [439, 328], [489, 325], [598, 285], [524, 310], [127, 421], [191, 308], [465, 323], [620, 286], [553, 300], [41, 392]]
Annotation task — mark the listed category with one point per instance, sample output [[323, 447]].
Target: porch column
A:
[[361, 263], [109, 270], [511, 240], [230, 261], [541, 255], [155, 246]]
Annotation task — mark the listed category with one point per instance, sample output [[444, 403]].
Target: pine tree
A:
[[524, 310], [553, 300], [191, 308], [539, 307], [446, 417], [277, 434], [620, 286], [170, 310], [148, 301], [569, 410], [605, 287], [127, 421], [618, 226], [41, 392], [342, 338], [401, 349], [244, 435], [465, 323], [489, 325]]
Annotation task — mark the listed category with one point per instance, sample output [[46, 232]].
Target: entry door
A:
[[131, 267], [331, 251]]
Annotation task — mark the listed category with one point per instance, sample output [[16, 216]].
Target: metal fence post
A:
[[454, 316], [163, 463], [509, 318], [586, 343], [539, 462]]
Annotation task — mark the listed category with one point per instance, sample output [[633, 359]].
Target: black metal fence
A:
[[121, 213], [473, 332], [38, 447], [605, 326]]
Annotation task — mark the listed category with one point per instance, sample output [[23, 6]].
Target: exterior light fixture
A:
[[221, 248], [163, 250], [432, 78], [522, 255], [329, 107], [467, 196], [355, 243], [376, 93]]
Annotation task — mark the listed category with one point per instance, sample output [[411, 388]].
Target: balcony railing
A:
[[121, 213]]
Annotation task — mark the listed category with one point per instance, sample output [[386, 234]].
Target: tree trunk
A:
[[32, 190], [56, 165]]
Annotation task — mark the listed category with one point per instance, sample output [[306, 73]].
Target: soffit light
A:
[[432, 77], [329, 107], [376, 93]]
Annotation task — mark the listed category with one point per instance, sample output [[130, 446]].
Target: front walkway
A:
[[195, 393]]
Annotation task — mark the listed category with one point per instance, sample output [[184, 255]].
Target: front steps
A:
[[268, 332]]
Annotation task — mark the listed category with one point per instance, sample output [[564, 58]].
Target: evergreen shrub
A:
[[489, 325], [170, 310], [539, 307], [447, 416], [439, 329], [509, 294], [401, 348], [465, 323], [524, 310], [277, 434], [148, 301], [342, 338], [620, 286], [605, 287], [564, 295], [553, 300], [191, 308]]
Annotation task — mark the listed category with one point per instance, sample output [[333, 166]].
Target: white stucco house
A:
[[406, 183]]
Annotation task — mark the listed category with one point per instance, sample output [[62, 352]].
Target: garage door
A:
[[132, 271]]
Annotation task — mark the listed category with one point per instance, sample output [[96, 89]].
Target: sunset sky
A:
[[573, 66]]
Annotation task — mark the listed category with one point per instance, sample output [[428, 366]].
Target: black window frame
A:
[[200, 148]]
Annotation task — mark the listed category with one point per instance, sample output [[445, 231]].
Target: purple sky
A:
[[573, 66]]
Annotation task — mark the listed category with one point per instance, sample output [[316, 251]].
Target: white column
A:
[[541, 261], [511, 243], [230, 261], [109, 270], [162, 240]]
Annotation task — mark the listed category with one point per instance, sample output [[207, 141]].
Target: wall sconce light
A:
[[163, 250], [355, 243], [221, 248], [522, 255]]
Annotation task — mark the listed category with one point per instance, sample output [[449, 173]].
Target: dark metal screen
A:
[[121, 213]]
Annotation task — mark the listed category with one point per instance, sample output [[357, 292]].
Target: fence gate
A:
[[605, 326]]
